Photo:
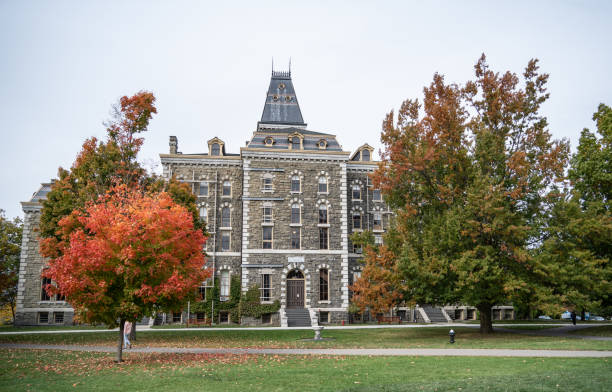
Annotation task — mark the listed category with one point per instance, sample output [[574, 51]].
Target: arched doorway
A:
[[295, 289]]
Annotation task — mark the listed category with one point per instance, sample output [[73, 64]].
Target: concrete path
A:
[[431, 352]]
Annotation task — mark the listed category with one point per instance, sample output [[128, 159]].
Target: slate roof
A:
[[281, 107]]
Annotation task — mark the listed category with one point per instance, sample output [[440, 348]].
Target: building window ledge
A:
[[378, 231], [267, 302], [325, 302], [322, 193], [357, 230], [267, 224], [296, 192], [225, 228], [295, 225], [323, 225], [267, 190]]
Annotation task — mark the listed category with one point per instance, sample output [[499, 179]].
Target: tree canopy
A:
[[468, 173], [10, 251]]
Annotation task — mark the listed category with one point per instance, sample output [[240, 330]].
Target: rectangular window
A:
[[266, 318], [295, 238], [267, 237], [43, 317], [225, 241], [58, 318], [295, 184], [227, 188], [267, 184], [204, 214], [266, 288], [323, 317], [323, 214], [203, 188], [323, 238], [357, 249], [267, 215], [376, 196], [223, 317], [295, 143], [356, 192], [202, 293], [377, 221], [295, 214], [43, 293], [225, 285], [378, 240], [323, 285], [356, 220]]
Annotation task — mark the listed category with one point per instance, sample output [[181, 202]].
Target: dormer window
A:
[[269, 141], [322, 144], [295, 143], [215, 149], [365, 155]]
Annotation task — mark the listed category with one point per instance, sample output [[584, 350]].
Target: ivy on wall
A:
[[237, 305]]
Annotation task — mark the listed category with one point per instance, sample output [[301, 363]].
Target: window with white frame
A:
[[376, 195], [227, 189], [295, 184], [226, 220], [323, 219], [322, 184], [323, 284], [203, 191], [225, 241], [378, 240], [266, 288], [295, 214], [356, 220], [267, 237], [267, 214], [295, 237], [377, 221], [357, 248], [356, 192], [267, 183], [225, 285]]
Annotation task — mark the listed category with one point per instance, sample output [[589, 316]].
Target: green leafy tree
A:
[[10, 251], [468, 177]]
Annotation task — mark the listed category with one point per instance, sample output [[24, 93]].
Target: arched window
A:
[[227, 188], [322, 184], [295, 274], [365, 155], [225, 217], [215, 149], [204, 214], [356, 192], [295, 214], [295, 183], [323, 285], [356, 220], [323, 214], [225, 285]]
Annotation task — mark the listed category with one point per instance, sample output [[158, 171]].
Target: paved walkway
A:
[[431, 352]]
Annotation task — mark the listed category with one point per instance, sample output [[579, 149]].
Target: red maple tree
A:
[[128, 254]]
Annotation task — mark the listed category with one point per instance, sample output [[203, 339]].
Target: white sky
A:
[[63, 63]]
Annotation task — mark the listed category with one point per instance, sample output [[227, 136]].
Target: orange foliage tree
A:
[[128, 254]]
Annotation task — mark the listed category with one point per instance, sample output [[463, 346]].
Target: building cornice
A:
[[234, 160], [31, 206]]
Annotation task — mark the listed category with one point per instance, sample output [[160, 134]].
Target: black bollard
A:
[[452, 336]]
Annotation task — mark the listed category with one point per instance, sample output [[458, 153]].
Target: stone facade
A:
[[279, 213]]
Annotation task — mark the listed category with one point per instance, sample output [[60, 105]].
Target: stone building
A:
[[279, 211]]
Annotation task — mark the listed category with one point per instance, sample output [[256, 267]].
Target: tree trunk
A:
[[486, 324], [120, 348], [133, 332], [13, 312]]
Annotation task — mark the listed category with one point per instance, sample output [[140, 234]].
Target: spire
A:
[[281, 108]]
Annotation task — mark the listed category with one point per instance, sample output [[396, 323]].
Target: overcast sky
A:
[[64, 63]]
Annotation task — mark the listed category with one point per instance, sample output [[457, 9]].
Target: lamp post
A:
[[451, 334]]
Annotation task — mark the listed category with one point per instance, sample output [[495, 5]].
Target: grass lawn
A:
[[50, 370], [354, 338], [604, 330]]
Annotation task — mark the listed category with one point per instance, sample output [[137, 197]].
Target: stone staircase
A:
[[298, 317], [435, 315]]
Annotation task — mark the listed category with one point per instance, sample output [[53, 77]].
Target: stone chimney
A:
[[173, 145]]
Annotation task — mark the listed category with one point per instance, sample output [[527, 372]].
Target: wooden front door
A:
[[295, 293]]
